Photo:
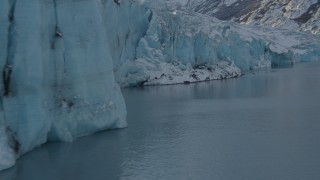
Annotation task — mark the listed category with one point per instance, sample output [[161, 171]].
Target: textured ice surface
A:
[[58, 81], [181, 46]]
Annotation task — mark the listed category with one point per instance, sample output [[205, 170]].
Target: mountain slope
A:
[[302, 15]]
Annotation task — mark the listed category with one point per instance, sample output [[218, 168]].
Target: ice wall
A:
[[126, 23], [7, 157], [57, 80], [180, 46]]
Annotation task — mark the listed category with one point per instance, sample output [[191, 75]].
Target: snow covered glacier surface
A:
[[62, 61], [58, 81]]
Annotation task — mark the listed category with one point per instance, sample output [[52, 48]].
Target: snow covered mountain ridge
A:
[[302, 15]]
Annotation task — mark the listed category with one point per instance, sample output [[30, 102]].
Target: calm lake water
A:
[[262, 126]]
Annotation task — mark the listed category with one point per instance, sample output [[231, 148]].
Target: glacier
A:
[[183, 46], [64, 61], [58, 81]]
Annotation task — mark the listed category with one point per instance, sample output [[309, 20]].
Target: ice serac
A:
[[57, 74], [126, 22]]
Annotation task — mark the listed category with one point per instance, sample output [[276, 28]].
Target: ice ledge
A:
[[144, 73]]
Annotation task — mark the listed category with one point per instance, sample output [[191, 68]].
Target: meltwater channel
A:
[[264, 125]]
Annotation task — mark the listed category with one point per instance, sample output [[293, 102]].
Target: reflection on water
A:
[[260, 126]]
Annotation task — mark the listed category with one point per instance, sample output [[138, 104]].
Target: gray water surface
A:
[[263, 126]]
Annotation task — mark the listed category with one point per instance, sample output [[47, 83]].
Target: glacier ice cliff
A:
[[179, 45], [62, 61], [57, 80]]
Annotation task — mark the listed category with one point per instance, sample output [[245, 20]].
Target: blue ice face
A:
[[59, 74]]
